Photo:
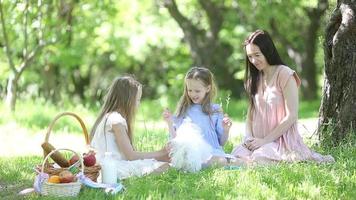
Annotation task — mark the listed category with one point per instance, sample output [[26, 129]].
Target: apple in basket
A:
[[89, 159], [66, 177], [73, 159]]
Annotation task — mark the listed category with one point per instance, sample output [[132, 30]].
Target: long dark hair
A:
[[263, 40]]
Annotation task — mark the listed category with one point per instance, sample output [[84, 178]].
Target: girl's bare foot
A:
[[240, 162], [162, 168]]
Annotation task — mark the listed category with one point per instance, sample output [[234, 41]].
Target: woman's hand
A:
[[254, 143], [226, 123]]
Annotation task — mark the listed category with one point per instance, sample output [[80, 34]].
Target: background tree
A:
[[206, 47], [98, 40], [304, 53], [295, 27], [24, 41], [337, 113]]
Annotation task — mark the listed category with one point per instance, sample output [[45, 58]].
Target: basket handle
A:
[[85, 132], [54, 151]]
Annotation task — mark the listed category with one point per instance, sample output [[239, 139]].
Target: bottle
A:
[[109, 169]]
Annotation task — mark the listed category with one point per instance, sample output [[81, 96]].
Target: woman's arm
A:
[[248, 125], [248, 129], [124, 145], [290, 93]]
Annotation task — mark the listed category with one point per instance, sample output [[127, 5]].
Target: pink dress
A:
[[268, 113]]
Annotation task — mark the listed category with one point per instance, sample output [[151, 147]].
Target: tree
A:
[[32, 36], [206, 48], [304, 56], [337, 112]]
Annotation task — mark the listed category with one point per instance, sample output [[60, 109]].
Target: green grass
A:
[[283, 181]]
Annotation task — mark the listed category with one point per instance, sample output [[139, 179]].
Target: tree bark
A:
[[11, 90], [337, 116]]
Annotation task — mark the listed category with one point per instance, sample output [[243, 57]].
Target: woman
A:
[[271, 128]]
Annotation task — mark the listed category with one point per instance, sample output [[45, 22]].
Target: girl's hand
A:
[[226, 123], [166, 151], [167, 148], [167, 116], [254, 143]]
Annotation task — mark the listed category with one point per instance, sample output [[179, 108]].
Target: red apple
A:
[[89, 159], [66, 177], [74, 159]]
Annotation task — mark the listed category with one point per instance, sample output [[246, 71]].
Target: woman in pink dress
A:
[[271, 128]]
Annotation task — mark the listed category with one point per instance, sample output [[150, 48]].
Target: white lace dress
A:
[[125, 168]]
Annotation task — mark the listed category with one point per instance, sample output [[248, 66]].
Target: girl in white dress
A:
[[112, 132]]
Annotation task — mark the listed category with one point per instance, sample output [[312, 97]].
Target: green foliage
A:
[[137, 37], [282, 181]]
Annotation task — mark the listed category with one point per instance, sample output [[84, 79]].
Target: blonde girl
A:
[[196, 105]]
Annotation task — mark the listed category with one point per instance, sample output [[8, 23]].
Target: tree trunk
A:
[[51, 82], [28, 54], [305, 57], [11, 94], [80, 81], [338, 110], [308, 73]]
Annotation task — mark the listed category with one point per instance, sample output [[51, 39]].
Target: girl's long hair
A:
[[206, 77], [264, 41], [121, 97]]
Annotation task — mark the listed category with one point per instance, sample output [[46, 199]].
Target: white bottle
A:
[[109, 169]]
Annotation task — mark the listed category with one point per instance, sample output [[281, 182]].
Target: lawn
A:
[[22, 133]]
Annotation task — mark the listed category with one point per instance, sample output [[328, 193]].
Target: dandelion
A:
[[227, 102], [220, 102]]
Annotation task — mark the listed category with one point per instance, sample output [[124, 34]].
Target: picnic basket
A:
[[61, 189], [91, 172]]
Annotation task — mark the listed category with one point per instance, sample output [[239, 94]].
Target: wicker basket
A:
[[90, 172], [60, 189]]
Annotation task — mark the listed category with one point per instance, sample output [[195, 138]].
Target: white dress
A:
[[125, 167]]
